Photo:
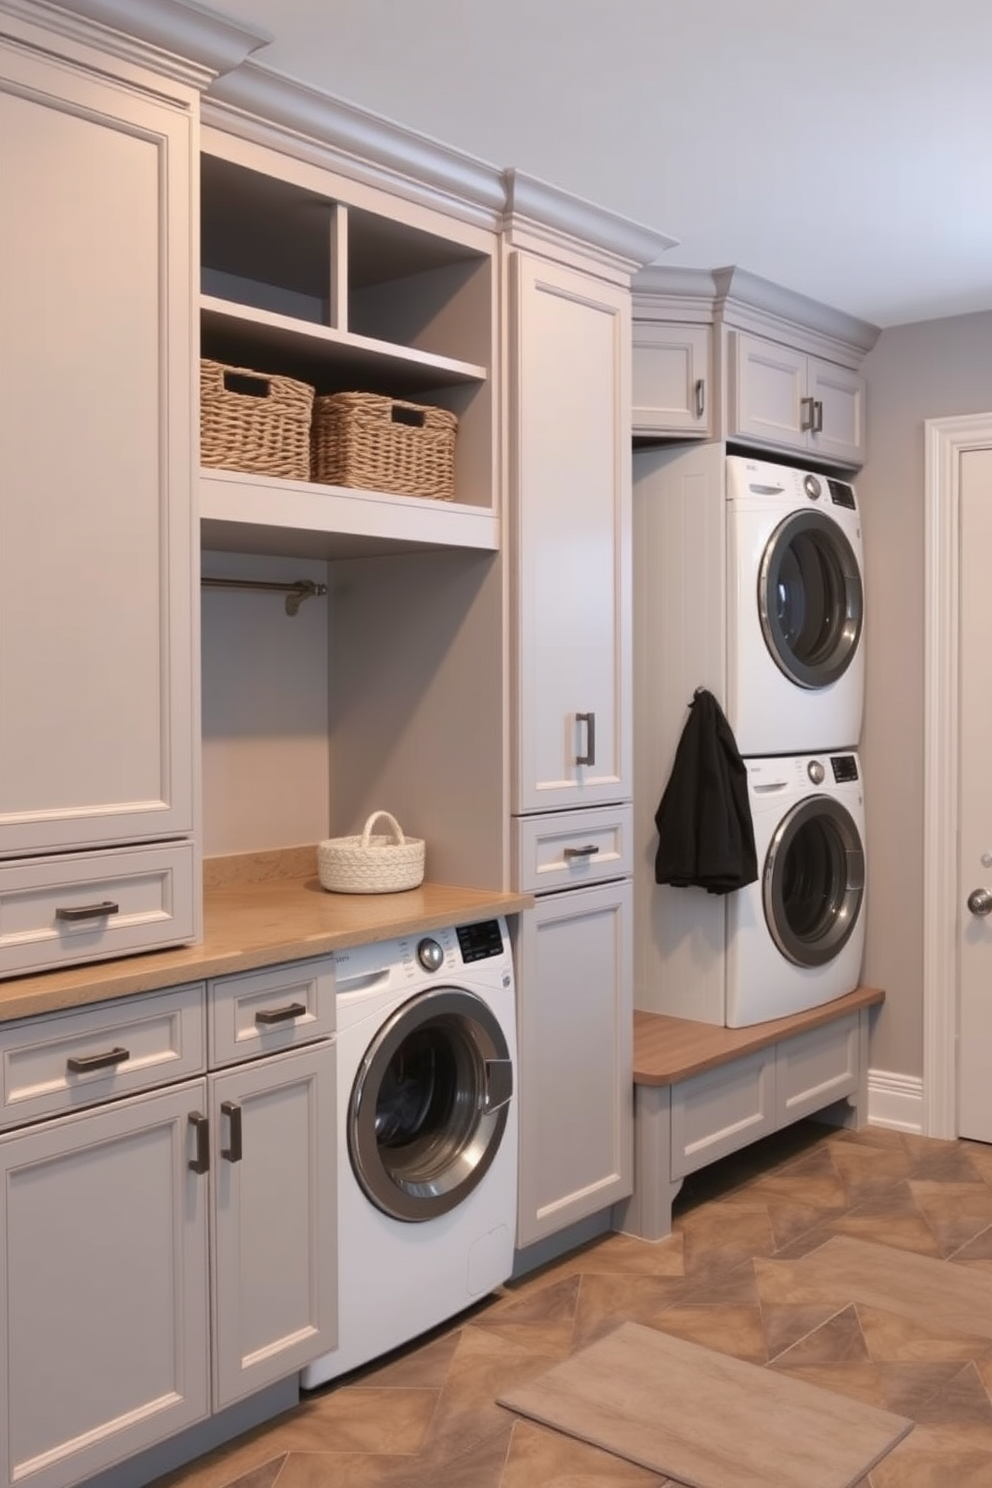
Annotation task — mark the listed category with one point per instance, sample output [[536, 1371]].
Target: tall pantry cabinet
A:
[[568, 271], [97, 537]]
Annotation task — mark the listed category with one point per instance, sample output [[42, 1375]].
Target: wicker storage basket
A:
[[371, 863], [381, 444], [254, 421]]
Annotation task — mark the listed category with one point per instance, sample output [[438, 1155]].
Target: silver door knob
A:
[[980, 901]]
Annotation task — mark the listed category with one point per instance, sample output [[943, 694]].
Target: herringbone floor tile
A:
[[739, 1274]]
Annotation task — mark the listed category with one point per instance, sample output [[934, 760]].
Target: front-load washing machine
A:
[[795, 938], [427, 1135], [795, 609]]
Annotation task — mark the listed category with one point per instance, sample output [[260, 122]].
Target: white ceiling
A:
[[842, 149]]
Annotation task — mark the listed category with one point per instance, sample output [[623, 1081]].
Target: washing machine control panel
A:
[[430, 954], [478, 942]]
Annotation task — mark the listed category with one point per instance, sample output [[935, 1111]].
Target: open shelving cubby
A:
[[299, 280]]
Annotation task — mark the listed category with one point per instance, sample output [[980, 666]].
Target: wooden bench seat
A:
[[702, 1091]]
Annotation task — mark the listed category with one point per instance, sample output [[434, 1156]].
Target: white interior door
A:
[[975, 799]]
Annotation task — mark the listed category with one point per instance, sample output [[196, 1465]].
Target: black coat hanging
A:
[[705, 831]]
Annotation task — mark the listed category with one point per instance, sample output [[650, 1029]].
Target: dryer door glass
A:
[[810, 599], [814, 881], [428, 1108]]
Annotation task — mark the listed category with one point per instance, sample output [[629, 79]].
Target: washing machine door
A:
[[429, 1104], [814, 881], [810, 599]]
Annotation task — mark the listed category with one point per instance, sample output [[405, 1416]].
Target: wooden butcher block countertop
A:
[[258, 912]]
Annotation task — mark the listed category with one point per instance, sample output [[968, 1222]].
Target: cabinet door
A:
[[768, 401], [671, 379], [96, 562], [570, 486], [575, 1032], [103, 1294], [275, 1195], [839, 402]]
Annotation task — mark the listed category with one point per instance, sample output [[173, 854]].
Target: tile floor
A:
[[428, 1418]]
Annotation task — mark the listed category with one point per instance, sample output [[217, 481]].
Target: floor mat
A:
[[706, 1419]]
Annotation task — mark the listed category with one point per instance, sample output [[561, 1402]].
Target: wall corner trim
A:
[[896, 1101]]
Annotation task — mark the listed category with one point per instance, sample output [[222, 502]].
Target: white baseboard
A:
[[895, 1101]]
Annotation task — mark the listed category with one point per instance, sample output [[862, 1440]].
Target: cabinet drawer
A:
[[571, 848], [261, 1012], [816, 1068], [721, 1110], [57, 911], [61, 1062]]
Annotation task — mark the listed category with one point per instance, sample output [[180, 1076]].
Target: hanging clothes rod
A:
[[295, 592]]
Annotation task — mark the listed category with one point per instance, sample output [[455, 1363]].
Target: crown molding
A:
[[535, 209], [741, 295], [262, 104], [178, 38], [733, 297], [669, 292]]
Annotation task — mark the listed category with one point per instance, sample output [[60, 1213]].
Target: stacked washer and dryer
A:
[[748, 580]]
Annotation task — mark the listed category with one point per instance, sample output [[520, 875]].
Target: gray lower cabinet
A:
[[104, 1309], [167, 1251], [273, 1219], [575, 1055]]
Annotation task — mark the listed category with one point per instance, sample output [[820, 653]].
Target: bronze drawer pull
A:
[[589, 758], [232, 1111], [81, 1064], [87, 911], [201, 1126], [581, 852], [268, 1016]]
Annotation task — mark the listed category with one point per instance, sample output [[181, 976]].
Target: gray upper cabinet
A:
[[98, 674], [784, 399], [672, 379], [726, 355], [96, 596], [571, 524]]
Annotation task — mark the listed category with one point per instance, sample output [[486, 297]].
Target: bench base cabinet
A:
[[682, 1127], [170, 1251]]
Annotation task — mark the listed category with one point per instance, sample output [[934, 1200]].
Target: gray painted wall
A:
[[931, 369]]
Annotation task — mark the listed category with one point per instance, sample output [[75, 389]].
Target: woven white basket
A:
[[372, 863]]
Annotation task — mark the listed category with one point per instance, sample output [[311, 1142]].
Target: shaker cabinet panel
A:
[[55, 911], [570, 496], [275, 1187], [839, 432], [575, 1035], [782, 398], [96, 349], [672, 383], [767, 392], [61, 1062], [104, 1314]]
